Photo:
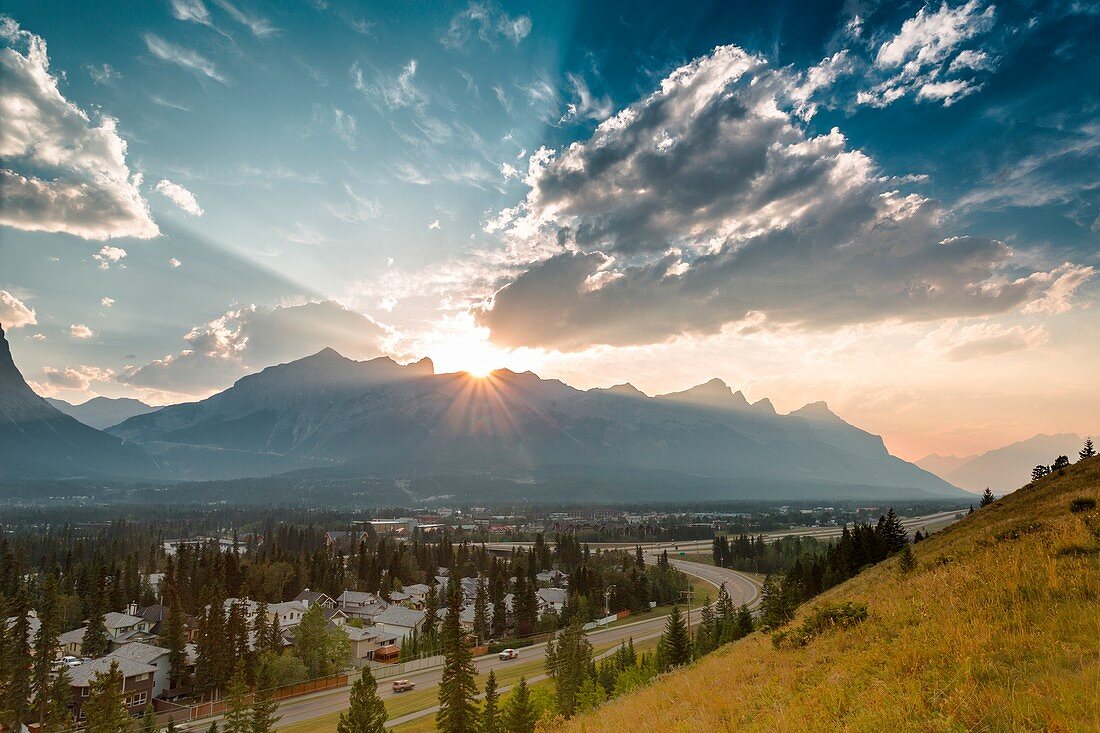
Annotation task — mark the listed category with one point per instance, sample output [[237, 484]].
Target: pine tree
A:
[[14, 705], [174, 640], [490, 712], [568, 657], [1088, 451], [457, 711], [264, 704], [987, 498], [891, 533], [45, 648], [57, 717], [1060, 463], [590, 695], [237, 710], [96, 643], [148, 720], [103, 709], [519, 713], [907, 563], [675, 638], [309, 642], [367, 713], [744, 621], [1039, 472], [481, 610]]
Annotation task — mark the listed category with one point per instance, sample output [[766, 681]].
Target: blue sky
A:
[[891, 206]]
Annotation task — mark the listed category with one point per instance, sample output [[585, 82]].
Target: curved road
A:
[[742, 589]]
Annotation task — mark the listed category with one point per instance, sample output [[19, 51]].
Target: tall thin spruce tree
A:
[[367, 713], [457, 688]]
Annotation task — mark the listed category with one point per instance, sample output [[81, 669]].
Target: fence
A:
[[385, 671]]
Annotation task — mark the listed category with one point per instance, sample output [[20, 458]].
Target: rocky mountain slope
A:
[[1003, 469], [103, 412]]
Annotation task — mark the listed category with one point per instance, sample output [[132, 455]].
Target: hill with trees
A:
[[989, 625]]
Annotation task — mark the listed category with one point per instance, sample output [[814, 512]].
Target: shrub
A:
[[1082, 504], [831, 615], [1015, 533]]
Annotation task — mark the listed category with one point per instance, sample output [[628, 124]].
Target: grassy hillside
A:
[[997, 629]]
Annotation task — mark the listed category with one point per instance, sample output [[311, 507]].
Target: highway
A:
[[742, 589]]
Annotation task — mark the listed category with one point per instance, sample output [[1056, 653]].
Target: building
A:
[[154, 656], [550, 599], [399, 621], [122, 628], [358, 604], [289, 613], [308, 598], [157, 616], [137, 683]]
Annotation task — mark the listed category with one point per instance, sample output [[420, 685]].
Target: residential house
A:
[[399, 621], [157, 616], [154, 656], [417, 594], [550, 599], [289, 613], [358, 604], [308, 598], [551, 578], [137, 683], [122, 628]]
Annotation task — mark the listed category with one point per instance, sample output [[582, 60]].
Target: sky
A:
[[892, 207]]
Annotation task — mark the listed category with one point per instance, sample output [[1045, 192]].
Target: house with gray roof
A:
[[154, 656], [137, 683], [399, 621]]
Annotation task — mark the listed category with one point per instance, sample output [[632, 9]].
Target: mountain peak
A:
[[712, 393], [765, 405], [816, 411], [626, 389]]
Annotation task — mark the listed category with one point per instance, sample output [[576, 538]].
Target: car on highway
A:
[[402, 685], [508, 654]]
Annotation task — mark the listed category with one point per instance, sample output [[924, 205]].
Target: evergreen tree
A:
[[1088, 451], [149, 720], [590, 696], [238, 712], [57, 717], [103, 710], [431, 610], [457, 711], [367, 713], [675, 637], [96, 643], [987, 498], [490, 712], [568, 657], [775, 609], [1039, 472], [15, 703], [174, 640], [264, 704], [744, 621], [519, 713], [891, 533], [322, 650], [45, 648], [481, 610], [1061, 462], [907, 563]]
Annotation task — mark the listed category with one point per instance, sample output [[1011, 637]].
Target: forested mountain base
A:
[[994, 629]]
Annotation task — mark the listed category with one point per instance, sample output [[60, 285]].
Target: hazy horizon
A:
[[894, 210]]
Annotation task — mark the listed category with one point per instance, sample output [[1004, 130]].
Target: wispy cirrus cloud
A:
[[179, 196], [487, 22], [185, 58]]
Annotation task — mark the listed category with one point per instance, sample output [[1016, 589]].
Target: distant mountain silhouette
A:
[[378, 418], [1003, 469], [39, 441], [103, 412]]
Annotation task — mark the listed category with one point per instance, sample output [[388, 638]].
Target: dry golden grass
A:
[[998, 629]]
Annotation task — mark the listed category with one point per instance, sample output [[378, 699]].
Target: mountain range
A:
[[1003, 469], [39, 441], [326, 416], [102, 412]]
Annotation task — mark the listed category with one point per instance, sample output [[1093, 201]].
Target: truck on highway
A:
[[508, 654]]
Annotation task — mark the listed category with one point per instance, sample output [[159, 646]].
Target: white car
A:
[[508, 654], [70, 661]]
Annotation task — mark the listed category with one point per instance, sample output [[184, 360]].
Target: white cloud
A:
[[191, 10], [174, 262], [357, 209], [108, 255], [38, 337], [396, 92], [508, 171], [958, 342], [917, 58], [258, 25], [434, 224], [183, 57], [303, 234], [179, 196], [344, 125], [250, 338], [487, 22], [61, 172], [14, 313], [585, 105], [103, 74], [106, 302], [76, 378], [706, 203], [80, 331]]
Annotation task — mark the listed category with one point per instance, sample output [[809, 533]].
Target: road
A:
[[742, 589]]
